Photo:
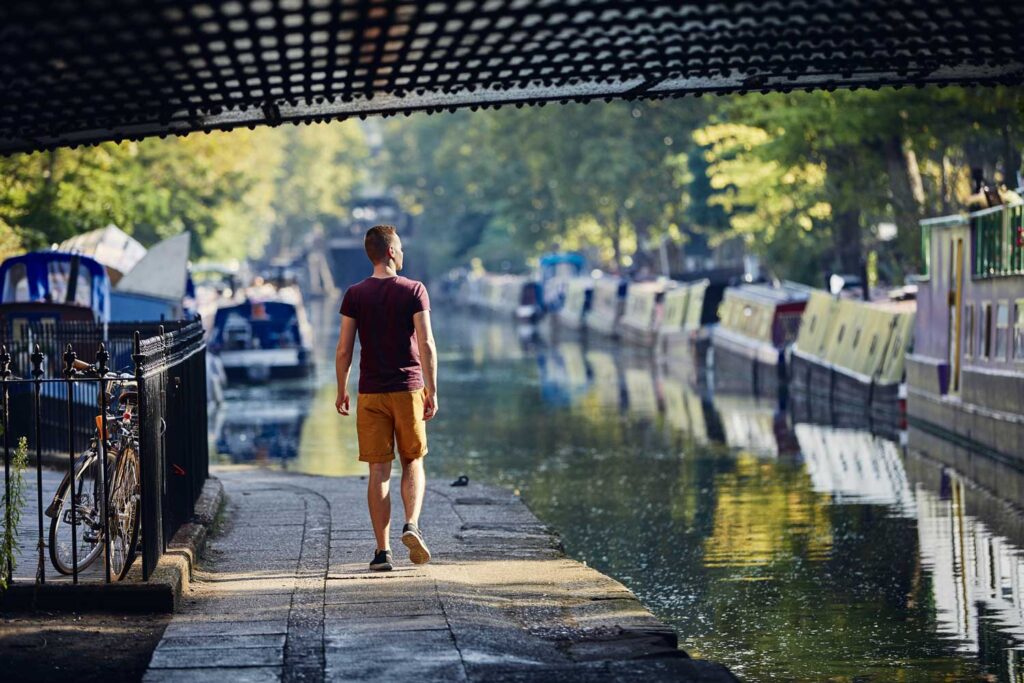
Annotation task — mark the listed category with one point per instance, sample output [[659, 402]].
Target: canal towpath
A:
[[284, 593]]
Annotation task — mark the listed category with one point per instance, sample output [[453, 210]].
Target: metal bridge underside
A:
[[84, 71]]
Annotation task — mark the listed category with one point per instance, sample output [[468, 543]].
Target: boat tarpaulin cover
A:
[[110, 246], [163, 272]]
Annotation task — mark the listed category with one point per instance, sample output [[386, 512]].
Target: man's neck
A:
[[384, 271]]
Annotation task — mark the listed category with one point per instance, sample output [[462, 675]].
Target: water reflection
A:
[[787, 551], [262, 424]]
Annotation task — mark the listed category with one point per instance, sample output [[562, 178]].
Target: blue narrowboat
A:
[[54, 286], [258, 340]]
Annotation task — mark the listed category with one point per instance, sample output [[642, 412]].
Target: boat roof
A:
[[785, 292], [555, 258]]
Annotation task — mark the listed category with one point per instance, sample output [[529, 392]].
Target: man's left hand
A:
[[342, 403]]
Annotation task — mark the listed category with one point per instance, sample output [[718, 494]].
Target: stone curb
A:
[[162, 593]]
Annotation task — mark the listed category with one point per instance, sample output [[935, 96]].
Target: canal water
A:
[[793, 552]]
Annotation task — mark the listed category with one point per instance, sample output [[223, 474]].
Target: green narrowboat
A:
[[846, 367], [642, 313], [576, 307], [607, 306], [682, 341]]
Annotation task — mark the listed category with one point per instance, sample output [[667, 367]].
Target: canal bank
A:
[[285, 594]]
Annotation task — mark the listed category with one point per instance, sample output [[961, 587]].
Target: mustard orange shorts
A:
[[383, 419]]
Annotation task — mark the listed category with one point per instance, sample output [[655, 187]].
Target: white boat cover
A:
[[111, 246], [162, 273]]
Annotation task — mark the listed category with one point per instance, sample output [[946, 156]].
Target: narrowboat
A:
[[965, 377], [607, 304], [847, 364], [757, 324], [259, 339], [682, 340], [576, 305], [54, 286], [514, 296], [642, 313]]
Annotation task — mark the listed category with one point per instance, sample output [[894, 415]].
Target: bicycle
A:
[[83, 527]]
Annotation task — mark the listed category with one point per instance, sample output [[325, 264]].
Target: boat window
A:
[[814, 319], [16, 284], [986, 330], [896, 353], [856, 337], [1002, 329], [57, 276], [839, 337], [83, 292], [874, 344], [969, 330], [1018, 331]]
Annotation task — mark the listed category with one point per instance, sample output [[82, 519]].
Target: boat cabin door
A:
[[956, 293]]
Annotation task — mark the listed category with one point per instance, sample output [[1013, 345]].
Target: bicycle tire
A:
[[125, 533], [57, 520]]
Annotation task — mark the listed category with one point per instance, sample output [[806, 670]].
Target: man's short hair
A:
[[378, 239]]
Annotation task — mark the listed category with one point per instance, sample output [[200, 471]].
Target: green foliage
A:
[[801, 179], [601, 174], [233, 191], [16, 501]]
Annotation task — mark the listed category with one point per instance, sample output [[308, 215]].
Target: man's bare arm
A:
[[343, 361], [428, 359]]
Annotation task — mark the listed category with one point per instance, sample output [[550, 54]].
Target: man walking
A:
[[397, 398]]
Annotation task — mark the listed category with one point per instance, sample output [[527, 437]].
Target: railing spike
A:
[[37, 362], [102, 357], [69, 360]]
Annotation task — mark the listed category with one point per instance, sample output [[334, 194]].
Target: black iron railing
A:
[[130, 425]]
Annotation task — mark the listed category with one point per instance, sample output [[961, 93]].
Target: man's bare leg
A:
[[414, 483], [378, 497]]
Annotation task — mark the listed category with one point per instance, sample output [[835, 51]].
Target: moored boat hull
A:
[[261, 365]]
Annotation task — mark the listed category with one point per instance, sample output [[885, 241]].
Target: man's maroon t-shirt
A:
[[383, 309]]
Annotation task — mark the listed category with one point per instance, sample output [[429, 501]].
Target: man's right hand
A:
[[429, 406], [342, 402]]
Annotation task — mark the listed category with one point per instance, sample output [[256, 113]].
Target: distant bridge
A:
[[77, 71]]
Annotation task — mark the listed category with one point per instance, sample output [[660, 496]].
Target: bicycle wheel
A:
[[125, 508], [88, 531]]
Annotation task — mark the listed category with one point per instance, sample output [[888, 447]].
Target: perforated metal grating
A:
[[91, 70]]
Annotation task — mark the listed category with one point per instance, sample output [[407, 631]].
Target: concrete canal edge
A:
[[162, 593], [285, 594]]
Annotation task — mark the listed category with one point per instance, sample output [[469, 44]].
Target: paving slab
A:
[[286, 594], [214, 675]]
